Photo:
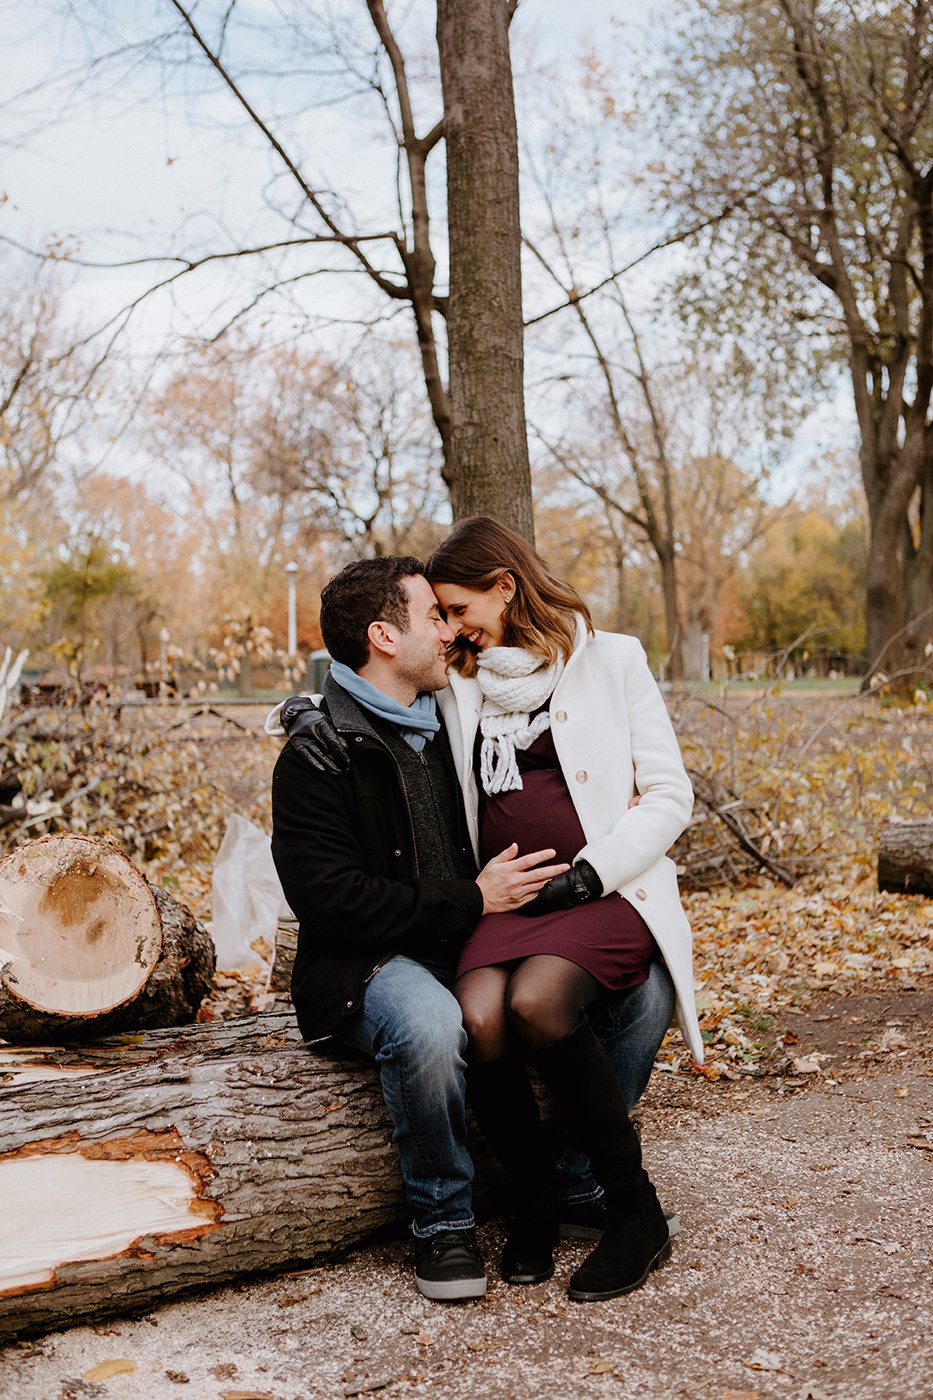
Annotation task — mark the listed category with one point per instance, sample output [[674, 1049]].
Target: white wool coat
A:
[[613, 736]]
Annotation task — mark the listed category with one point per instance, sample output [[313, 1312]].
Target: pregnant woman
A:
[[556, 728]]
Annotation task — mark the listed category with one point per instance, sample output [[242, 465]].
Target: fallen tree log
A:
[[905, 858], [88, 948], [145, 1167]]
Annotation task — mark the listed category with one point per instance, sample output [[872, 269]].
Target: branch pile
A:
[[159, 782], [785, 786]]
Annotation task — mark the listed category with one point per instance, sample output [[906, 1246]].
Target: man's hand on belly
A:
[[511, 880]]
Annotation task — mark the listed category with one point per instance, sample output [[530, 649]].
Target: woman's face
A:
[[478, 615]]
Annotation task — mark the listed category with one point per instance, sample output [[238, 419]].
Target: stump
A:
[[905, 858], [88, 948], [138, 1169]]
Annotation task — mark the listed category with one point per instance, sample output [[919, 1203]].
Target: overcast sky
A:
[[133, 173], [121, 174]]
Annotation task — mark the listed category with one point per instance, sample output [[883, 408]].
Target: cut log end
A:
[[79, 928], [87, 947]]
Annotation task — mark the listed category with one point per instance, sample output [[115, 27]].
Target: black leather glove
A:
[[312, 735], [577, 885]]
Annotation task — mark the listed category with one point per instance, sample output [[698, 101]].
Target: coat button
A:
[[349, 1005], [398, 853], [582, 776], [561, 716], [359, 738], [640, 894]]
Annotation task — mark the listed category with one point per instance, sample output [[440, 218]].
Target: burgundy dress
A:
[[607, 937]]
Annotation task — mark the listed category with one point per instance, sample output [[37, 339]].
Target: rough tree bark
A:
[[151, 1166], [905, 858], [484, 314], [88, 948]]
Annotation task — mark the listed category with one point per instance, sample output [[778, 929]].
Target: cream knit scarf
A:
[[514, 683]]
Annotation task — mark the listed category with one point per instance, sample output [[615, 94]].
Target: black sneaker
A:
[[586, 1220], [449, 1266]]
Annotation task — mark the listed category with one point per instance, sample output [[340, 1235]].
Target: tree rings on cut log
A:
[[79, 929], [88, 948]]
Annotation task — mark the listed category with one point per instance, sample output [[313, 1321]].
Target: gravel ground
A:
[[803, 1270]]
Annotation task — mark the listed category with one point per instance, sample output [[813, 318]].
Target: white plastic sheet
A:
[[247, 896]]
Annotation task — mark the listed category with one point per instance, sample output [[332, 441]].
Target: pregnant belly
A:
[[539, 817]]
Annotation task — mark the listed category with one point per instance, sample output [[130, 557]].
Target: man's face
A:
[[421, 658]]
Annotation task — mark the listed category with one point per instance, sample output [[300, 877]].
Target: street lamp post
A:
[[291, 570]]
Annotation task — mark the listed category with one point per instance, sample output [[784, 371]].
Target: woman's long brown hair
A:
[[539, 618]]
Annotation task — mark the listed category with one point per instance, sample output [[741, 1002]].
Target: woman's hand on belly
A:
[[578, 885]]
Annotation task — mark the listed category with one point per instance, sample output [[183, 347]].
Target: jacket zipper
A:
[[401, 781], [411, 831]]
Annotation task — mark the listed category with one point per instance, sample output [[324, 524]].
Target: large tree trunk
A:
[[887, 645], [899, 584], [667, 559], [178, 1160], [484, 320], [88, 948]]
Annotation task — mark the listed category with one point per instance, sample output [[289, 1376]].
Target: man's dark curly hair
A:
[[368, 591]]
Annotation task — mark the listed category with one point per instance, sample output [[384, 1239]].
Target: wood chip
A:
[[119, 1366]]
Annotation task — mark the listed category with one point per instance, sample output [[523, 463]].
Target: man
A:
[[377, 866]]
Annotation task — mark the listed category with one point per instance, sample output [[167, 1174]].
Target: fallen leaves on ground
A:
[[761, 1360], [763, 949]]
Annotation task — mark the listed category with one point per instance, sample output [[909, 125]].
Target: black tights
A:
[[537, 1002]]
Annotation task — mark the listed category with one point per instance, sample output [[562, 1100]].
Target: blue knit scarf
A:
[[418, 721]]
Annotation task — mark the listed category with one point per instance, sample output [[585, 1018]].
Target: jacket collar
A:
[[345, 712], [581, 637]]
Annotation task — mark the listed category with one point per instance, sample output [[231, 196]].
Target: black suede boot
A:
[[506, 1112], [579, 1075]]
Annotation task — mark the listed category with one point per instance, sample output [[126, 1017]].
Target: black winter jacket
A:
[[344, 850]]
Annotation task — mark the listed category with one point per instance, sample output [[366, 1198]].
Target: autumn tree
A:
[[812, 121], [346, 449], [161, 549], [805, 581], [274, 455], [644, 417], [91, 600], [51, 384], [654, 442], [200, 433], [50, 380], [383, 235]]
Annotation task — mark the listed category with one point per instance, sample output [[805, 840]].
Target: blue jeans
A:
[[409, 1022], [630, 1026]]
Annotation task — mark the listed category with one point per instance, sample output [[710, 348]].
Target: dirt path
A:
[[803, 1268]]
